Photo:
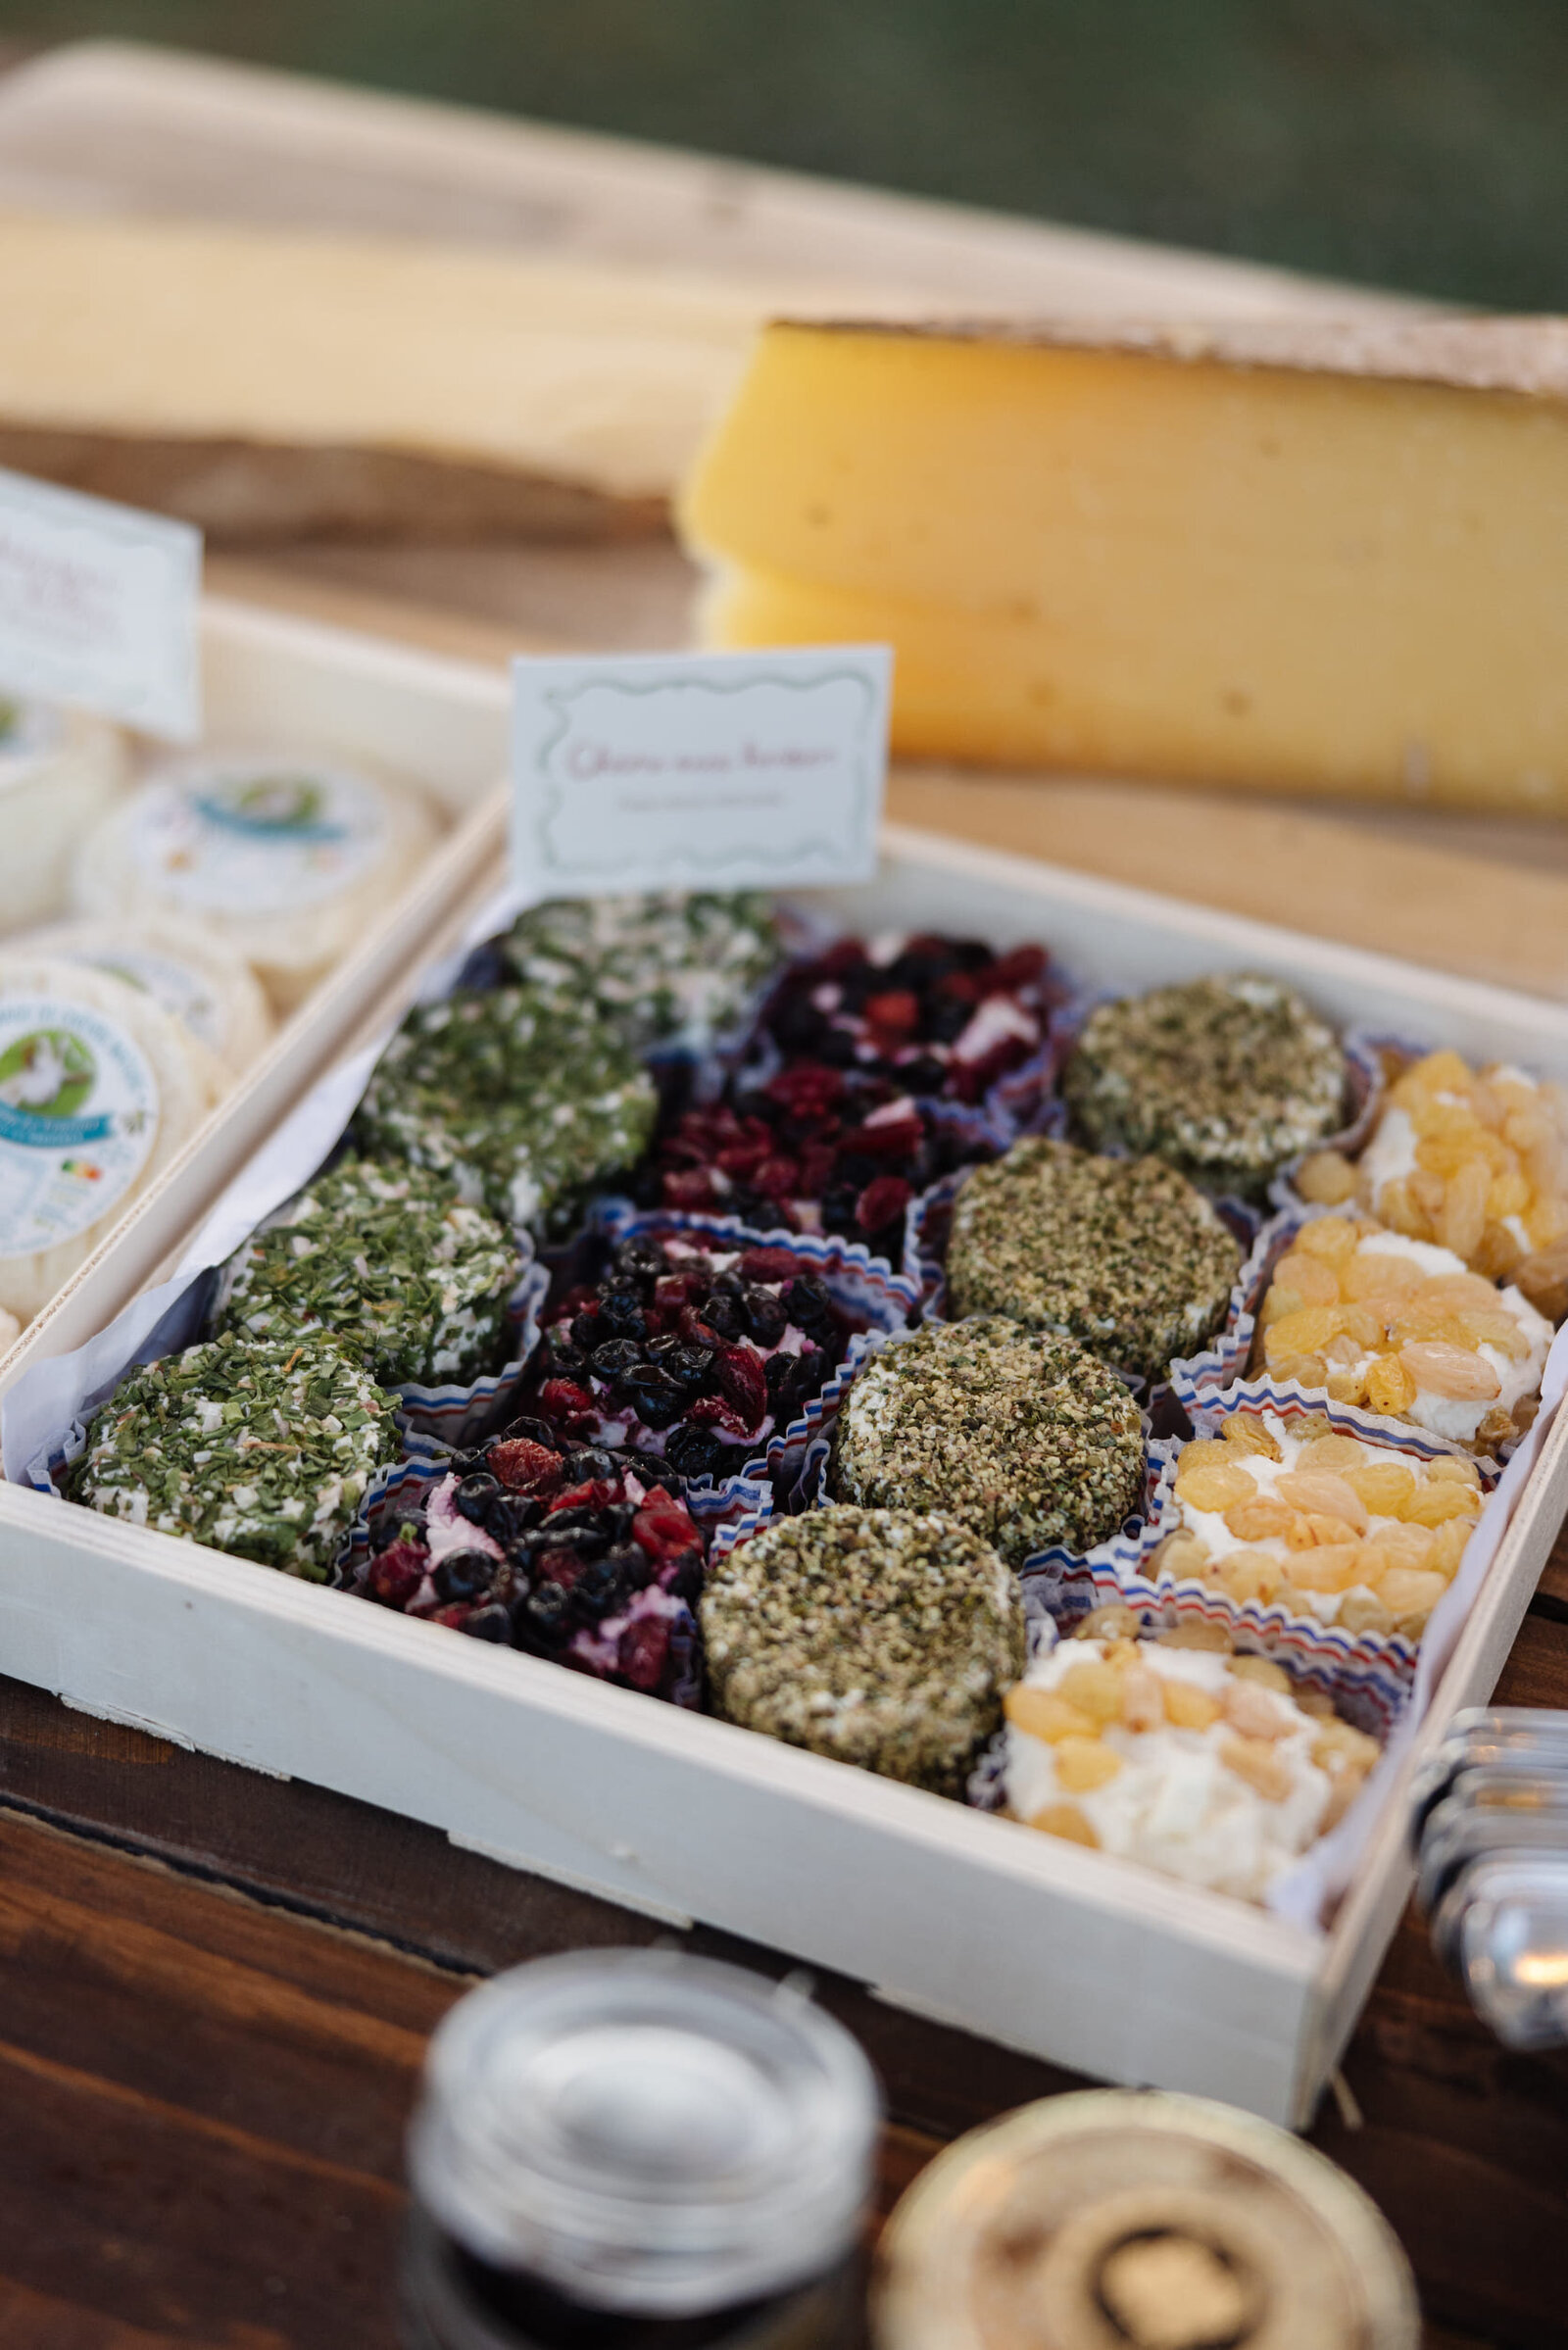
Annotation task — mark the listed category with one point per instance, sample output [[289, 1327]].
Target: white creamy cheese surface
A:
[[1175, 1804], [208, 988], [285, 856], [97, 1093], [60, 772]]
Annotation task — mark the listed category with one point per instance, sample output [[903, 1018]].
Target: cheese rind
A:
[[1168, 558], [210, 989]]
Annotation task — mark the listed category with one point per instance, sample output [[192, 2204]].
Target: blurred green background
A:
[[1416, 144]]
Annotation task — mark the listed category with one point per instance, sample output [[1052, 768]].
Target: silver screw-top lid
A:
[[645, 2131]]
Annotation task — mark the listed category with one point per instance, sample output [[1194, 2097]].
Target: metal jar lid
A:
[[1126, 2219], [646, 2132]]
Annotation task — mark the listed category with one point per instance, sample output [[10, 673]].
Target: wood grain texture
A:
[[217, 1988]]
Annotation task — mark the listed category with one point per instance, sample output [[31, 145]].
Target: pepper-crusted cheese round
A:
[[98, 1092], [391, 1265], [661, 969], [207, 987], [523, 1098], [880, 1636], [1020, 1435], [286, 857], [257, 1447], [1227, 1078], [1122, 1254]]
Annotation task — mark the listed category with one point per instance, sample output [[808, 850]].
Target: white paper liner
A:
[[864, 1285], [1123, 1570], [927, 1223], [1308, 1893]]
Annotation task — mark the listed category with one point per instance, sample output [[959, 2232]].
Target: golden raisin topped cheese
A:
[[1475, 1160], [1399, 1325], [1291, 1512]]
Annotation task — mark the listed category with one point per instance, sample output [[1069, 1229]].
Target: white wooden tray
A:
[[441, 725], [1043, 1946]]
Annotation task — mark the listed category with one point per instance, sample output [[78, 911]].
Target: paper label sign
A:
[[711, 771], [98, 608]]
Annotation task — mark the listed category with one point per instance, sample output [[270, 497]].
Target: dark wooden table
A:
[[216, 1989]]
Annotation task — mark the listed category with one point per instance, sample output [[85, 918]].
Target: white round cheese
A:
[[286, 857], [98, 1091], [59, 770], [208, 988]]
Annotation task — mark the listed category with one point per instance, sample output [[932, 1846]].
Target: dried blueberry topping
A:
[[490, 1623], [542, 1623], [465, 1574], [474, 1496]]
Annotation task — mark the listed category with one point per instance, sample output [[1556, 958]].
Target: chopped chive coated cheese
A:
[[263, 1449], [663, 969], [1021, 1436], [1122, 1254], [389, 1262], [1315, 555], [1227, 1078], [876, 1636], [521, 1096]]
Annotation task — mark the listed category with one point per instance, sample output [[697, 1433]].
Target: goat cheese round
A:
[[1204, 1766], [98, 1091], [286, 857], [208, 988], [265, 1449], [388, 1262], [522, 1099], [59, 772]]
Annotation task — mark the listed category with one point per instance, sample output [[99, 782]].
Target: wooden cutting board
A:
[[101, 126]]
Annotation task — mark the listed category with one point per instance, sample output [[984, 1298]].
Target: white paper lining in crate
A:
[[863, 1285], [1127, 1569], [1197, 1374]]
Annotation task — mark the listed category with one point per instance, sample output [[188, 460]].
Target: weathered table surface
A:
[[216, 1987]]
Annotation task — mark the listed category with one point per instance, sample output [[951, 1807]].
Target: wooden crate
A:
[[1043, 1946]]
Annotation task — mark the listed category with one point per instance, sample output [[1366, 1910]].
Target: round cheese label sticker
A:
[[79, 1115], [252, 838]]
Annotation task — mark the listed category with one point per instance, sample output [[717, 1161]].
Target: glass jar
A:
[[636, 2150]]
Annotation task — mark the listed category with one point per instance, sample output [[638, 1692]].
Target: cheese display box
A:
[[1032, 1938]]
